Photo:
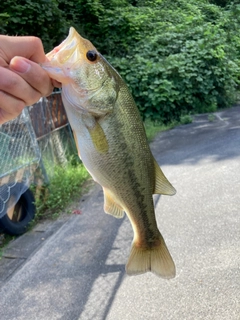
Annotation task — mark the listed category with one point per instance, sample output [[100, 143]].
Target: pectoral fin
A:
[[98, 138], [76, 141], [111, 207], [162, 185]]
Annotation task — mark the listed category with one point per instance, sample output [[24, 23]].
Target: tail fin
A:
[[157, 260]]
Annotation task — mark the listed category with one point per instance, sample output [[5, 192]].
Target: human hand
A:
[[22, 80]]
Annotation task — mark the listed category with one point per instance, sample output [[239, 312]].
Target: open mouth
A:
[[64, 52]]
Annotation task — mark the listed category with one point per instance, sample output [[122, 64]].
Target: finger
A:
[[14, 85], [33, 74], [56, 84], [10, 107], [28, 47]]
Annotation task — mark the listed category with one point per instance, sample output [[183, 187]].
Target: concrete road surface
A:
[[75, 270]]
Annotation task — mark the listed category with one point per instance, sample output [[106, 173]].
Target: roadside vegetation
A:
[[178, 57], [66, 185]]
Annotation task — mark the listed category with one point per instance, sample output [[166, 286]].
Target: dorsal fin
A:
[[162, 185]]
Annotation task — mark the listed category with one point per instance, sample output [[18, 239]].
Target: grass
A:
[[152, 128], [186, 119], [65, 185]]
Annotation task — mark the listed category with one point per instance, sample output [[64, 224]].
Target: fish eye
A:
[[91, 55]]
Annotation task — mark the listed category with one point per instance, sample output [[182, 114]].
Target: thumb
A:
[[20, 65]]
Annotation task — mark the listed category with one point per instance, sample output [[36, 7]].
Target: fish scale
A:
[[112, 144]]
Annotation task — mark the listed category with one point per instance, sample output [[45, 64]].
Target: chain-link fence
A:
[[30, 146]]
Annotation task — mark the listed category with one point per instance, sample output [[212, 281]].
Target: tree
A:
[[41, 18]]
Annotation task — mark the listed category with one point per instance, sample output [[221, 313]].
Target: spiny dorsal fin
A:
[[111, 207], [162, 185]]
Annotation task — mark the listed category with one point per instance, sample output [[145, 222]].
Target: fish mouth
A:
[[64, 52], [63, 57]]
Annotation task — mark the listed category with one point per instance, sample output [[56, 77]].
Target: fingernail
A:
[[19, 65]]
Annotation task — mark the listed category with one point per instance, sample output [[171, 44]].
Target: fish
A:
[[112, 144]]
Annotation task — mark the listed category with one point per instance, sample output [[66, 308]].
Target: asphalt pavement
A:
[[73, 268]]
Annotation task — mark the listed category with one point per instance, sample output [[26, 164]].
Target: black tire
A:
[[24, 212]]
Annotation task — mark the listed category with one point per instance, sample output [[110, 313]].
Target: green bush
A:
[[178, 57], [40, 18], [183, 63]]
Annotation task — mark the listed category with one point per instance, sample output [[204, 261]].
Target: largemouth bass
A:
[[112, 144]]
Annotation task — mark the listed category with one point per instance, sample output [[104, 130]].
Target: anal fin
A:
[[111, 207], [162, 185]]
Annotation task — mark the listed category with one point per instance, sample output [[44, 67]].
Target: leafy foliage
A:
[[221, 3], [65, 184], [177, 57], [40, 18]]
